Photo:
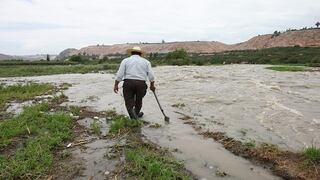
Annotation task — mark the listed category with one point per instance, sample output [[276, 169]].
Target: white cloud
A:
[[49, 26]]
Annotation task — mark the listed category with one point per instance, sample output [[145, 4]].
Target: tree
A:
[[275, 34], [48, 57], [318, 24], [177, 54], [163, 41]]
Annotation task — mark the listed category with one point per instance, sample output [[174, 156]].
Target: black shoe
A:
[[140, 114], [133, 115]]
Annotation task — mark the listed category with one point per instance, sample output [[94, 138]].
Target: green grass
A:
[[95, 127], [42, 132], [288, 68], [145, 163], [121, 123], [21, 92], [75, 110], [312, 154], [21, 62], [37, 70]]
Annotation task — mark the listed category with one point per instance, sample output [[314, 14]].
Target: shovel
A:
[[166, 118]]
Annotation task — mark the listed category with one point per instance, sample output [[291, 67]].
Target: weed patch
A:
[[43, 131]]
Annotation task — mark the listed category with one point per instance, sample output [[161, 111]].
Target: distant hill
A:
[[194, 46], [36, 57], [66, 53], [302, 38], [5, 57]]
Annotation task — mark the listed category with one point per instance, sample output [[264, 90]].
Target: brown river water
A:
[[248, 102]]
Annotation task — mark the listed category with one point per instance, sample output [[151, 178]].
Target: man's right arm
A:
[[151, 77], [119, 76]]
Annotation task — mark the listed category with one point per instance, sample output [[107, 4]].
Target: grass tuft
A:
[[95, 127], [312, 154], [144, 163], [75, 110], [59, 99], [122, 123]]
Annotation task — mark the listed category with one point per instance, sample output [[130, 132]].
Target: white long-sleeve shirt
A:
[[135, 67]]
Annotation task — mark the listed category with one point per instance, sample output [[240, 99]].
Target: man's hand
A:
[[116, 86], [152, 87], [116, 89]]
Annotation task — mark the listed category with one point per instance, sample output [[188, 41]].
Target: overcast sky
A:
[[50, 26]]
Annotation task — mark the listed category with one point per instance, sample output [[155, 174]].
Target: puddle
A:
[[17, 108], [98, 166], [104, 128], [247, 102], [95, 152]]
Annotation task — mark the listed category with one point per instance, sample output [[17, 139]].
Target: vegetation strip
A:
[[289, 68], [286, 164], [306, 56], [37, 70], [309, 56]]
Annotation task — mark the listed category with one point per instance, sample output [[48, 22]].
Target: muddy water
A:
[[94, 152], [247, 102]]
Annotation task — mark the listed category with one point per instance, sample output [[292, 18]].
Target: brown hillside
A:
[[193, 47], [303, 38]]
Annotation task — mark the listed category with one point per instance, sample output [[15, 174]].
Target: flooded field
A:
[[247, 102]]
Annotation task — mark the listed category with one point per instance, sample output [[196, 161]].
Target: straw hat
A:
[[135, 49]]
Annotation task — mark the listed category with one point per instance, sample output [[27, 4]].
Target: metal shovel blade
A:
[[166, 118]]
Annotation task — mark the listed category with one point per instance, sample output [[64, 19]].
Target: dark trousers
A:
[[133, 93]]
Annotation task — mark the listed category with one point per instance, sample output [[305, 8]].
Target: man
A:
[[134, 71]]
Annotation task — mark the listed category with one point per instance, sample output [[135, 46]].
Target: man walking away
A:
[[134, 71]]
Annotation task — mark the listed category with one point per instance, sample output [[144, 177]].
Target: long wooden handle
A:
[[155, 95]]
